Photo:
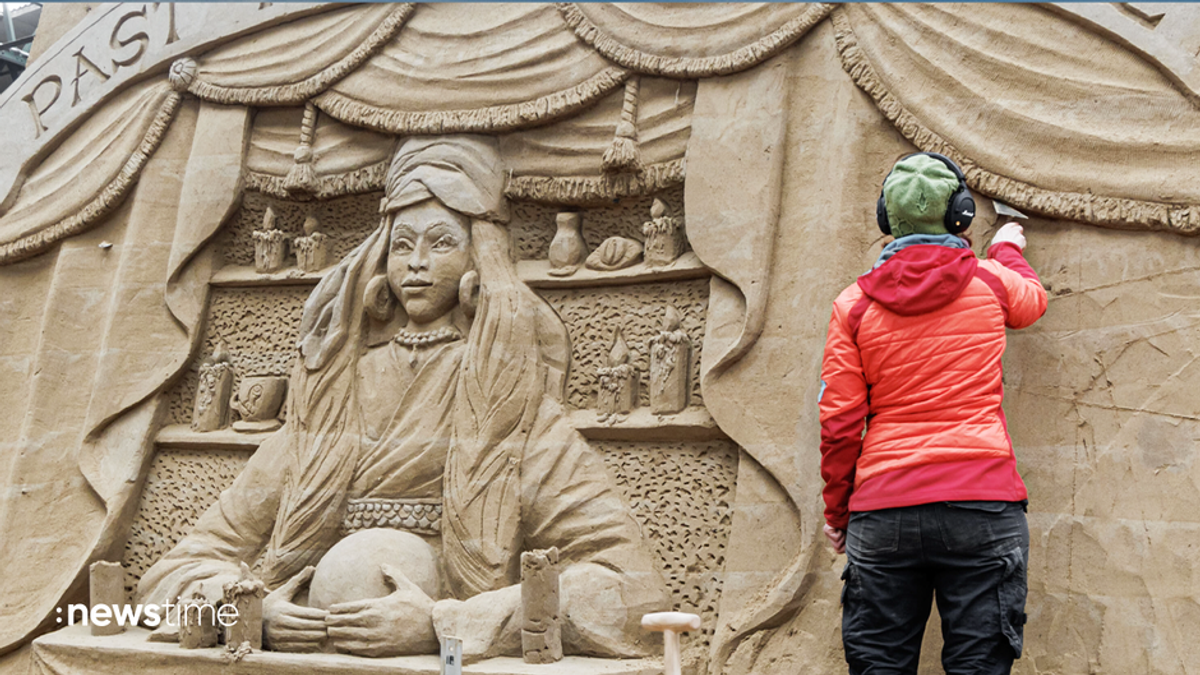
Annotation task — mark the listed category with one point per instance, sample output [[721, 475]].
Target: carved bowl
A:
[[351, 569]]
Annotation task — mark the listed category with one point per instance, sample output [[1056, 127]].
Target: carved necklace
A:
[[431, 338]]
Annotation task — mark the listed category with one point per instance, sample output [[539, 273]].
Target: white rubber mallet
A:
[[671, 624]]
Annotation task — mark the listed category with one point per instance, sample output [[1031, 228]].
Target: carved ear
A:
[[379, 301], [468, 292]]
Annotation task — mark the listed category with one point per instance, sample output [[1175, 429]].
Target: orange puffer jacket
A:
[[913, 352]]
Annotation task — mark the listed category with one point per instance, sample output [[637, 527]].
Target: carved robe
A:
[[355, 430]]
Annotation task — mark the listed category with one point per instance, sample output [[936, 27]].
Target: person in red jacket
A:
[[927, 502]]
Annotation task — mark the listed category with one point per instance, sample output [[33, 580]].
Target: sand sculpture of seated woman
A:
[[425, 448]]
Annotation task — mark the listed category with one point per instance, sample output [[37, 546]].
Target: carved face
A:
[[429, 254]]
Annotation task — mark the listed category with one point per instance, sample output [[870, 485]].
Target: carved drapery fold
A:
[[461, 68], [288, 67], [555, 163], [1108, 120], [62, 199], [713, 40]]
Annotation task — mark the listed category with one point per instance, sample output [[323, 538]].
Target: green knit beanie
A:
[[916, 194]]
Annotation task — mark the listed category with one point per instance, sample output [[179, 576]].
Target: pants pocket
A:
[[1013, 589], [872, 533], [850, 582]]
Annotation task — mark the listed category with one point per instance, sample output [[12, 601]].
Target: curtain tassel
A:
[[624, 155], [302, 179]]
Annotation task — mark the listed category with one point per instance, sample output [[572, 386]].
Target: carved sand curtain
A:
[[773, 113]]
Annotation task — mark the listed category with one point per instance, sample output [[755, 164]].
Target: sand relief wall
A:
[[682, 189]]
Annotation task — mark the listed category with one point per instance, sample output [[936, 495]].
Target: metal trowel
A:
[[1007, 211]]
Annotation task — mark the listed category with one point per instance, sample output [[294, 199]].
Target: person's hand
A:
[[396, 624], [837, 538], [1012, 233], [288, 627]]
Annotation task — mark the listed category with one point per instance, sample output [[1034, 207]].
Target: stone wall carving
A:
[[682, 496], [180, 485], [345, 220], [533, 227], [259, 327], [591, 315]]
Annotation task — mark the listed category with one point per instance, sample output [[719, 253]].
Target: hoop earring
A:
[[468, 292], [379, 299]]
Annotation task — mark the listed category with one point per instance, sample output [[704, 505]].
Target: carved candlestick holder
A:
[[106, 582], [312, 250], [246, 595], [541, 628], [211, 410], [664, 236], [568, 249], [618, 381], [197, 623], [270, 245], [670, 366]]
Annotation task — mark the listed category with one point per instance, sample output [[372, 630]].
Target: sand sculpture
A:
[[213, 366]]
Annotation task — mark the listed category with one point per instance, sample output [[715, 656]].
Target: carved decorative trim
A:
[[298, 92], [360, 181], [578, 190], [582, 190], [491, 119], [1114, 212], [652, 64], [106, 200]]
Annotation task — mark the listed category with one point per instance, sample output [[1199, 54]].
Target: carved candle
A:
[[106, 581], [664, 236], [618, 380], [246, 596], [670, 366], [270, 245], [211, 410], [312, 250], [197, 623], [541, 629]]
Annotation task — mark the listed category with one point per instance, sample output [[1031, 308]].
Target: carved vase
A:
[[568, 249]]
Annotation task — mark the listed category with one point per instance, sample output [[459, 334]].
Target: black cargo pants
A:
[[971, 555]]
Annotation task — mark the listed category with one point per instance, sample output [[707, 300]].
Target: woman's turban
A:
[[463, 172]]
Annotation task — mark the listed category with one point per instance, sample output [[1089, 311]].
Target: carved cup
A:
[[258, 400]]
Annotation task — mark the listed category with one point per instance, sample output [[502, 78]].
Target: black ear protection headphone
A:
[[960, 210]]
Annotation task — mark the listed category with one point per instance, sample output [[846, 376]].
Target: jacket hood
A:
[[920, 279]]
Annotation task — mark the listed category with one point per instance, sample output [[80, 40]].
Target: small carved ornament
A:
[[617, 395], [615, 253], [665, 239], [568, 249], [259, 400], [270, 245]]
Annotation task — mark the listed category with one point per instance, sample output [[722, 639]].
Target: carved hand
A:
[[399, 623], [288, 627]]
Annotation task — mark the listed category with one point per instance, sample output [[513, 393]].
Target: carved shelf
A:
[[181, 436], [536, 273], [692, 424], [242, 276]]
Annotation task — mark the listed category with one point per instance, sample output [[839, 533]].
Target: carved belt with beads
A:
[[419, 516]]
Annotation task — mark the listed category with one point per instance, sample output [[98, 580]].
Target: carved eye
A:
[[445, 243], [402, 245]]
